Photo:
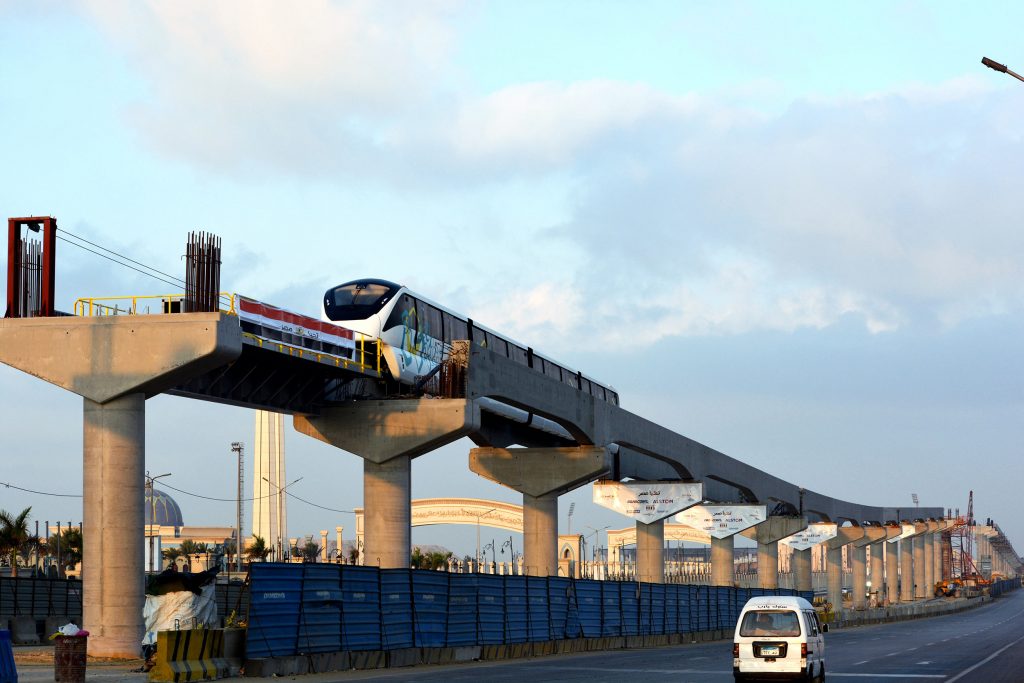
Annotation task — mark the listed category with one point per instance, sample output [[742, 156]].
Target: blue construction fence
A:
[[310, 608], [997, 588]]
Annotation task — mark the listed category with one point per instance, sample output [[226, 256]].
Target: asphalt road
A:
[[984, 644]]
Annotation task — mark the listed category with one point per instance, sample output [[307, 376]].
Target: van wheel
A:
[[821, 673]]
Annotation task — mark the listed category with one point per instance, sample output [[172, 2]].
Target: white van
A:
[[779, 637]]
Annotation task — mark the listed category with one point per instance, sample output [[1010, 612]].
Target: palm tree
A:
[[13, 535], [70, 543], [257, 550], [171, 554]]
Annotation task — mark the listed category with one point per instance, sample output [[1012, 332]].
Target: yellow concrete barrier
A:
[[193, 655]]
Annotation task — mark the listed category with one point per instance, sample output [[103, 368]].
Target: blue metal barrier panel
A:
[[672, 608], [516, 610], [538, 614], [396, 608], [320, 617], [611, 608], [559, 592], [275, 599], [701, 606], [430, 608], [655, 620], [491, 604], [588, 606], [8, 671], [360, 608], [463, 610], [629, 600]]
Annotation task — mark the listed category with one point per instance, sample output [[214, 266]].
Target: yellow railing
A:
[[141, 305], [361, 358]]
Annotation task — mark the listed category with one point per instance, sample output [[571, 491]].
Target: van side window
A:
[[812, 623]]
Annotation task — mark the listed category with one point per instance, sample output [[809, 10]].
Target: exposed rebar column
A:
[[892, 573], [802, 569], [202, 273], [650, 551], [906, 570], [114, 455], [388, 512], [859, 556], [540, 534], [722, 570]]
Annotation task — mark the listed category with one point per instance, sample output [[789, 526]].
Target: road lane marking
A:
[[985, 661], [892, 654], [924, 663], [832, 673], [864, 662]]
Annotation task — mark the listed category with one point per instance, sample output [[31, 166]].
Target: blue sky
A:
[[788, 230]]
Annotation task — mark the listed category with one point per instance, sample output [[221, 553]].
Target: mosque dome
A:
[[167, 511]]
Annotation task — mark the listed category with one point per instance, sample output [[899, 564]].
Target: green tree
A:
[[171, 554], [310, 551], [13, 536]]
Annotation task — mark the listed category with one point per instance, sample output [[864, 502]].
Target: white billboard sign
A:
[[647, 501], [908, 530], [722, 521], [815, 533]]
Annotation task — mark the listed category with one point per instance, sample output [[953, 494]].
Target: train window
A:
[[357, 300], [404, 313], [430, 321], [454, 328], [517, 353]]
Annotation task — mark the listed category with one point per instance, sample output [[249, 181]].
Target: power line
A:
[[137, 270], [40, 493], [119, 255], [322, 507]]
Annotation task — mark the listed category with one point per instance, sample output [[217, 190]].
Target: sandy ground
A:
[[35, 664]]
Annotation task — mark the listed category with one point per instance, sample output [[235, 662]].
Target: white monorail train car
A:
[[415, 333]]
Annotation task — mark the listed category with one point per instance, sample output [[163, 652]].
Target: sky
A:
[[787, 230]]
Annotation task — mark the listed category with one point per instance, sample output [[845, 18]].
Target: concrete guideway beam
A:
[[378, 431], [541, 474], [834, 562], [105, 357], [115, 363], [768, 534]]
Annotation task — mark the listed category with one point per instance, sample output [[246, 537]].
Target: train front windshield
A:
[[358, 300]]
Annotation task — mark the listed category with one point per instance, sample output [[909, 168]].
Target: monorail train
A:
[[415, 333]]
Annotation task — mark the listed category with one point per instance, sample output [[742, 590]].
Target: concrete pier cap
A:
[[387, 435], [115, 363], [541, 474]]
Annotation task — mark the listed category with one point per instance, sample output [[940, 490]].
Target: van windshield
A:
[[771, 623]]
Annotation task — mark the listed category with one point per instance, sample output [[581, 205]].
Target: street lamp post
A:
[[152, 517], [238, 447], [1000, 68], [482, 514]]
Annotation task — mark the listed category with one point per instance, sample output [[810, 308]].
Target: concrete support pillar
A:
[[929, 564], [860, 576], [768, 565], [767, 534], [802, 570], [834, 574], [113, 576], [919, 587], [906, 569], [877, 572], [834, 562], [650, 551], [388, 512], [722, 564], [892, 572], [540, 534]]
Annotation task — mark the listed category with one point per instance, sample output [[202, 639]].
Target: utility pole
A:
[[238, 447]]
